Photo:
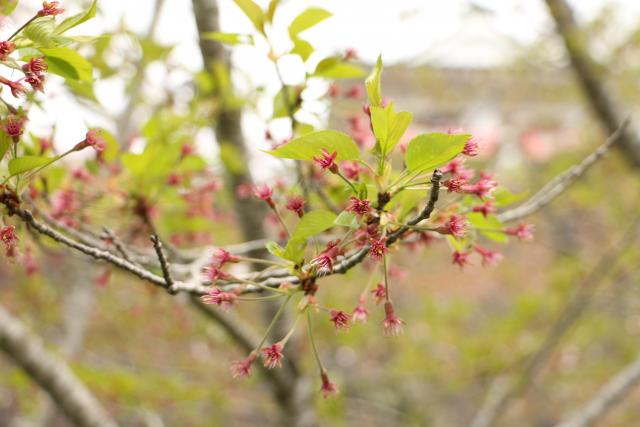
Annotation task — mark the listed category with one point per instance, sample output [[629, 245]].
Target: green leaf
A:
[[253, 12], [40, 32], [389, 127], [68, 63], [5, 143], [313, 223], [372, 83], [76, 20], [307, 19], [431, 150], [308, 146], [271, 10], [294, 251], [82, 88], [504, 197], [229, 38], [347, 219], [336, 68], [275, 249], [485, 225], [280, 108], [302, 48], [7, 6], [27, 163]]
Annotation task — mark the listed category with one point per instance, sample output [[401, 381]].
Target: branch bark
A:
[[603, 103], [52, 374], [609, 396]]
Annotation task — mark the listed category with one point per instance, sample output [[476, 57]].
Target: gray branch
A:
[[52, 374]]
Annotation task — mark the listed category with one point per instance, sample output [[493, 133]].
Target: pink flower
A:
[[471, 147], [340, 319], [485, 209], [358, 206], [29, 262], [455, 185], [17, 89], [273, 356], [522, 231], [489, 257], [174, 180], [460, 258], [327, 161], [328, 388], [456, 226], [187, 150], [350, 54], [326, 258], [334, 91], [360, 313], [221, 257], [483, 187], [296, 204], [80, 174], [220, 298], [351, 170], [8, 236], [379, 293], [94, 139], [6, 48], [378, 248], [265, 193], [242, 368], [457, 170], [391, 324], [36, 65], [50, 9], [214, 273], [13, 126], [355, 92]]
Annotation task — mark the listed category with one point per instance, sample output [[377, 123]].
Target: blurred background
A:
[[500, 70]]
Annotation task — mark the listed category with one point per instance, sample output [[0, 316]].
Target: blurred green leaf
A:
[[302, 48], [431, 150], [40, 32], [347, 219], [486, 225], [68, 63], [307, 19], [253, 12], [229, 38], [271, 10], [294, 251], [308, 146], [313, 223], [76, 20], [373, 82], [5, 143], [336, 68], [27, 163], [7, 6]]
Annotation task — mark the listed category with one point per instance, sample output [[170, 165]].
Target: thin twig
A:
[[561, 182], [610, 395], [164, 264]]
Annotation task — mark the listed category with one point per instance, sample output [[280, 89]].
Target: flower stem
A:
[[313, 342], [273, 322], [33, 18], [344, 178]]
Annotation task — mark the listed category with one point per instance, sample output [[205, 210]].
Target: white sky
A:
[[436, 31]]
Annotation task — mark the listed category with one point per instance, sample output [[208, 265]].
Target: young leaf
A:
[[7, 6], [389, 127], [336, 68], [431, 150], [308, 146], [26, 163], [5, 143], [294, 251], [271, 10], [487, 225], [68, 63], [347, 219], [307, 19], [40, 32], [302, 48], [253, 12], [275, 249], [229, 38], [372, 83], [76, 20], [313, 223]]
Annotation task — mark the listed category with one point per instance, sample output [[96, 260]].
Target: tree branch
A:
[[610, 395], [561, 182], [53, 375]]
